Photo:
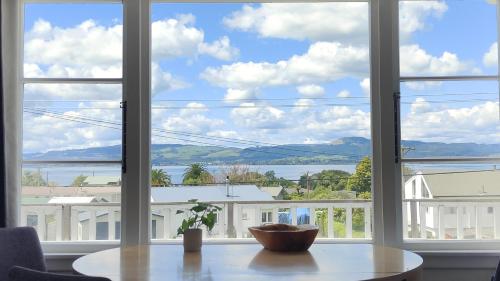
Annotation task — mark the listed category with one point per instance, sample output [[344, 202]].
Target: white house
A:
[[446, 216]]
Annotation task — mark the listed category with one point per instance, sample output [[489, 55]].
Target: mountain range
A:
[[341, 151]]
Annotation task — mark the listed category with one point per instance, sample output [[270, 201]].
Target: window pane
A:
[[282, 111], [71, 122], [452, 201], [454, 37], [458, 118], [73, 40]]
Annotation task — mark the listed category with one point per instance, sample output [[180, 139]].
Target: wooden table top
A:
[[339, 262]]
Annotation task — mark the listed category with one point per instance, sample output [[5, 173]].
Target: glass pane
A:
[[73, 40], [72, 122], [454, 37], [246, 110], [441, 119], [451, 201]]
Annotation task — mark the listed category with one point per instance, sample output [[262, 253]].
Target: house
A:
[[451, 187], [277, 192], [102, 181]]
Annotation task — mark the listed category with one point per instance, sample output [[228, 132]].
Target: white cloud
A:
[[413, 15], [220, 49], [92, 50], [344, 22], [478, 123], [192, 119], [66, 50], [311, 90], [365, 85], [323, 61], [258, 116], [420, 106], [490, 58], [416, 61], [236, 95], [164, 81], [301, 21], [67, 134], [303, 105], [344, 94]]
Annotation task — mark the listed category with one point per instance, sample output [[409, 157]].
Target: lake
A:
[[63, 176]]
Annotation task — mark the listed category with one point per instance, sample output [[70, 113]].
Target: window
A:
[[449, 112], [246, 99], [72, 65], [279, 116]]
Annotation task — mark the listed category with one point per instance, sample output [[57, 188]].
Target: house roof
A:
[[83, 191], [72, 200], [209, 193], [463, 184], [272, 190], [101, 180]]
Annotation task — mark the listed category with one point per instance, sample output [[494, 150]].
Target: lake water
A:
[[63, 176]]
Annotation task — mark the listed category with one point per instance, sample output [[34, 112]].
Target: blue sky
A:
[[299, 78]]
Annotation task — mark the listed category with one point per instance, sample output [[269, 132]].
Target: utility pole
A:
[[307, 183]]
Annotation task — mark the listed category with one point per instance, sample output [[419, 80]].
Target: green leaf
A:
[[193, 200], [210, 220], [198, 208]]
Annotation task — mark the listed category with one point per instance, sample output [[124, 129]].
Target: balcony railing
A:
[[101, 221], [452, 218]]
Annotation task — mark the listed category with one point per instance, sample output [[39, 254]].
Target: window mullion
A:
[[136, 89], [386, 176]]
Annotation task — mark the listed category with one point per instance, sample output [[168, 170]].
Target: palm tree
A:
[[196, 174], [160, 178]]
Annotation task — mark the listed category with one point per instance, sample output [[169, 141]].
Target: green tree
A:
[[31, 178], [78, 181], [361, 180], [197, 174], [331, 179], [160, 178]]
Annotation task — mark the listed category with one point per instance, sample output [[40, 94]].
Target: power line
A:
[[219, 139]]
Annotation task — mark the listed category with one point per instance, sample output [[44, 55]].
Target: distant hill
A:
[[344, 150]]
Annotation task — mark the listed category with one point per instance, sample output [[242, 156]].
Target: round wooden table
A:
[[250, 262]]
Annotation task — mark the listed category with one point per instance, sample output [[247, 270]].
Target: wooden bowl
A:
[[284, 237]]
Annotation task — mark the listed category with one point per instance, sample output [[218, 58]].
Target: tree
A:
[[31, 178], [79, 180], [361, 180], [160, 178], [197, 174], [331, 179]]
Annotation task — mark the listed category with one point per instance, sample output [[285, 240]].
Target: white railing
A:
[[452, 218], [101, 221]]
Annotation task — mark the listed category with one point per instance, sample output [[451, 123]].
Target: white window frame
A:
[[386, 171], [451, 245]]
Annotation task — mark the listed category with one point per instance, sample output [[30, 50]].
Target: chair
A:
[[21, 258], [20, 246], [18, 273], [496, 277]]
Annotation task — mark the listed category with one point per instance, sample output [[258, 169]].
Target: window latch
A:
[[397, 129], [123, 106]]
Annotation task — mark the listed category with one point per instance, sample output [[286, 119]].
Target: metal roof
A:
[[72, 200], [464, 184], [272, 190], [102, 180], [209, 193]]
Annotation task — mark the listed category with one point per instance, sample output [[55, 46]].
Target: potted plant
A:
[[200, 214]]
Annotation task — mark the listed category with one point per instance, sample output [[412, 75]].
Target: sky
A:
[[259, 74]]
